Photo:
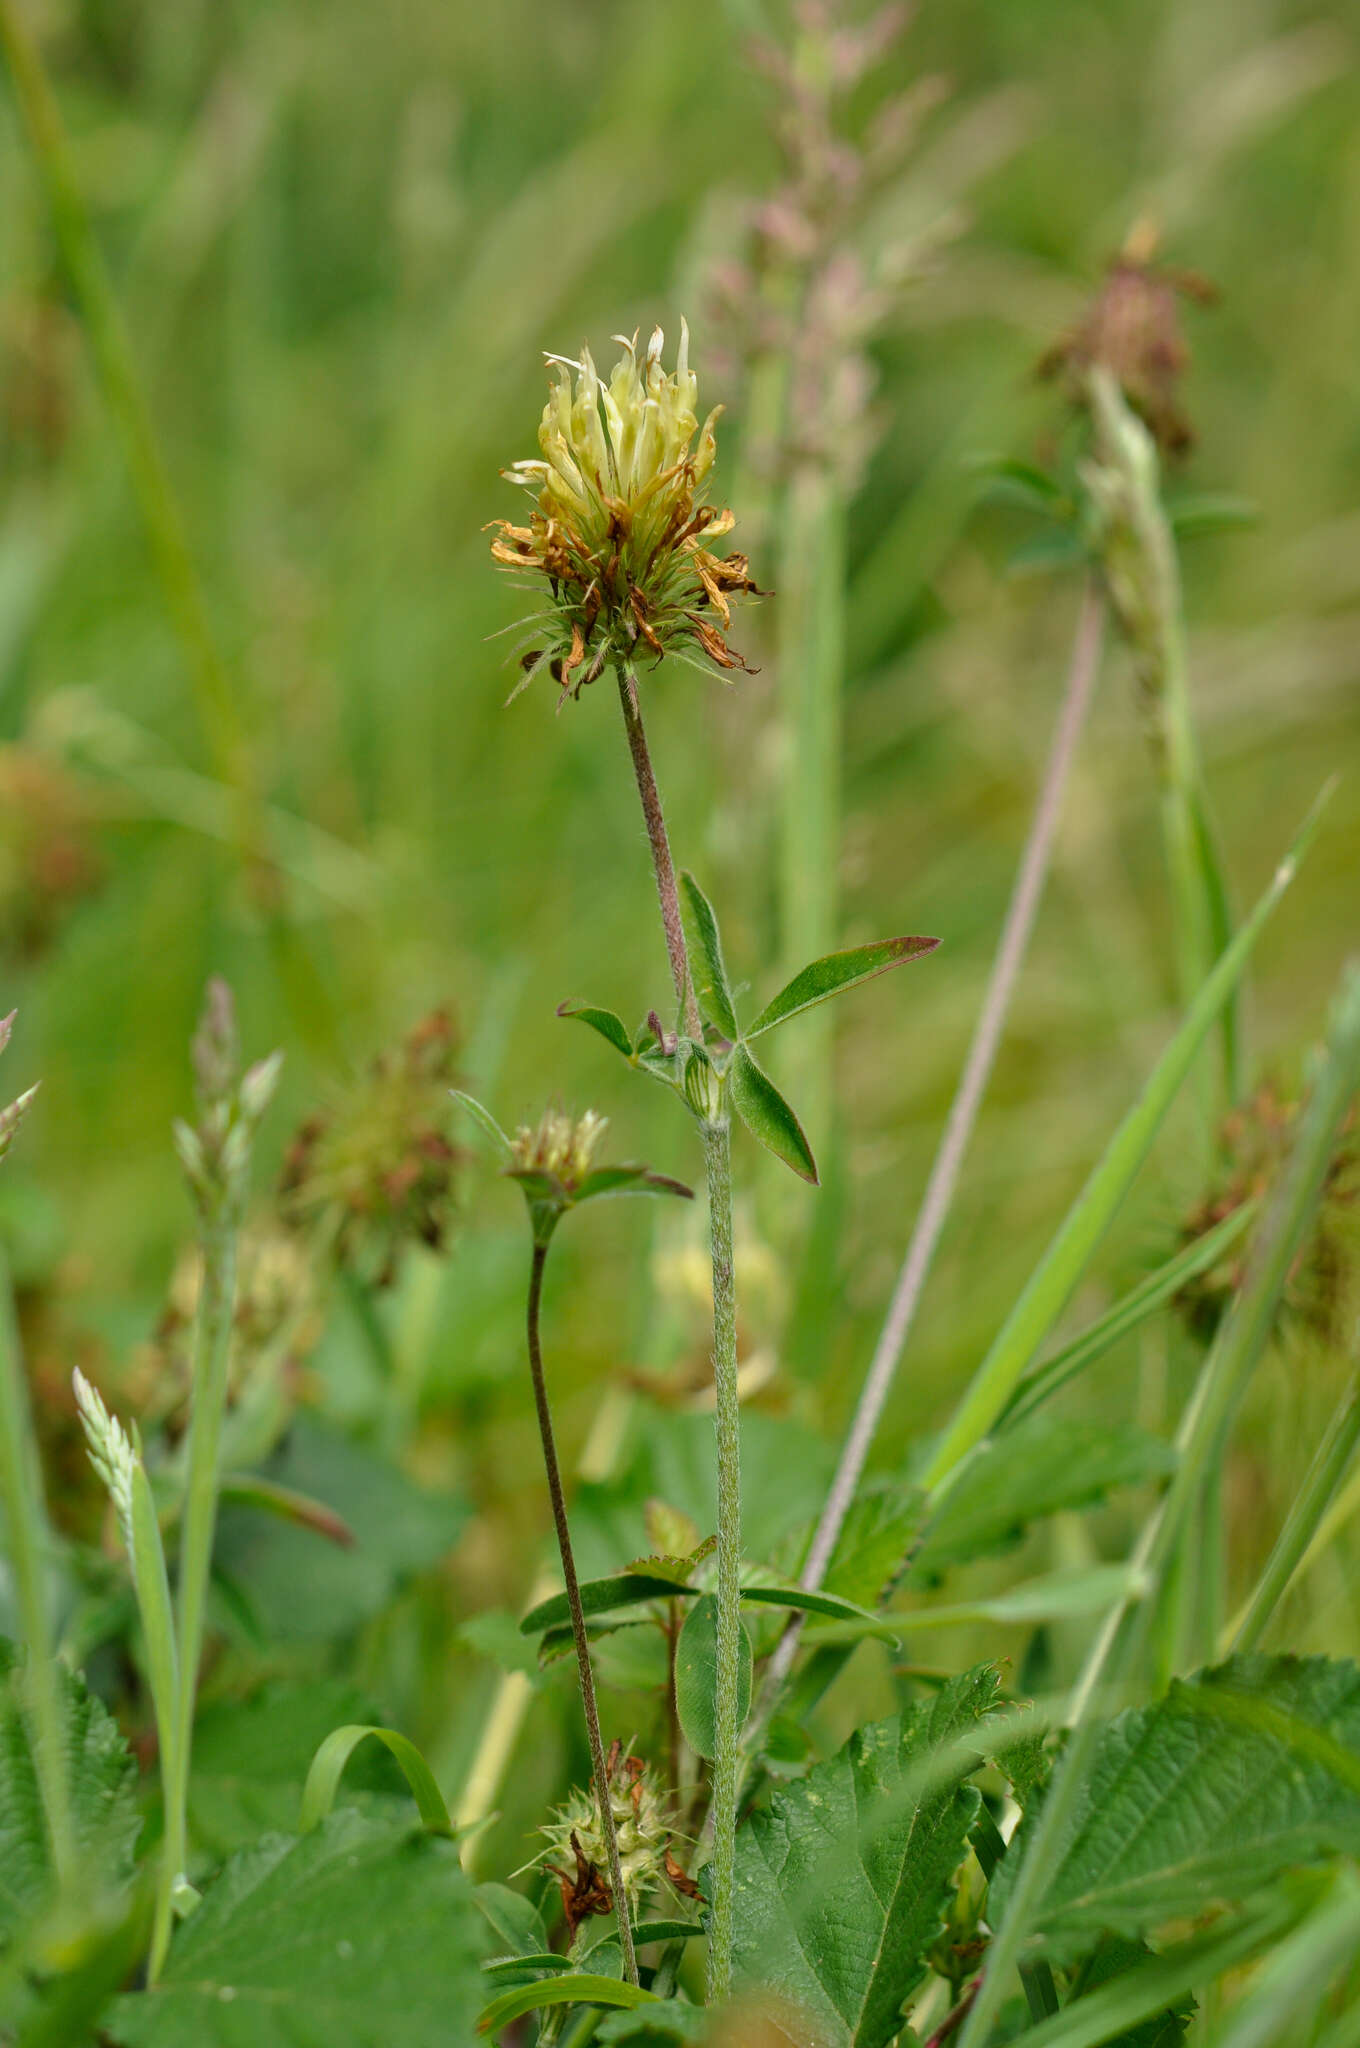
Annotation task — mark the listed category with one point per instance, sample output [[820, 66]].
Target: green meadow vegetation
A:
[[887, 682]]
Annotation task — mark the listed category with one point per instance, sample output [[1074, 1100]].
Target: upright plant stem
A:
[[944, 1173], [718, 1165], [212, 1349], [718, 1159], [578, 1620], [25, 1528]]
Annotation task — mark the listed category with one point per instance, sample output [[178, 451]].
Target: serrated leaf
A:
[[767, 1116], [833, 973], [875, 1541], [102, 1778], [611, 1028], [1043, 1466], [843, 1882], [599, 1596], [696, 1676], [362, 1932], [711, 985], [1202, 1799]]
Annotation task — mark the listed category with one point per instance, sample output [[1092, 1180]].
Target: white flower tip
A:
[[6, 1026]]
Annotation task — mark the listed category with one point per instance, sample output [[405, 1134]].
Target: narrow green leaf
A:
[[1060, 548], [629, 1180], [1127, 1315], [253, 1490], [521, 1969], [1210, 512], [328, 1767], [578, 1989], [611, 1028], [1055, 1596], [1051, 1284], [843, 1882], [711, 987], [831, 1604], [828, 976], [600, 1596], [1022, 483], [483, 1117], [767, 1116], [696, 1676]]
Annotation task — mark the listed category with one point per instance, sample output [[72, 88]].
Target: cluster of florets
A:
[[644, 1824], [1132, 329], [618, 528], [559, 1145], [374, 1171], [1323, 1289]]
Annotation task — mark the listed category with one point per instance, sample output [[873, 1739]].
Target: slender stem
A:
[[944, 1173], [152, 1587], [1330, 1460], [662, 864], [718, 1159], [25, 1521], [578, 1619], [212, 1350]]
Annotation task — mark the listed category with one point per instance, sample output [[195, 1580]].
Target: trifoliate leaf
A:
[[363, 1932], [1202, 1799], [842, 1883]]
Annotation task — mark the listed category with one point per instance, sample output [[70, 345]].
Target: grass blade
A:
[[328, 1767]]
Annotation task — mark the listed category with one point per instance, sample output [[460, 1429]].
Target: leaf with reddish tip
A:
[[828, 976], [611, 1028]]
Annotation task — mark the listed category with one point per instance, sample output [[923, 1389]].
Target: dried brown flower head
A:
[[49, 861], [374, 1171], [617, 527], [1133, 329]]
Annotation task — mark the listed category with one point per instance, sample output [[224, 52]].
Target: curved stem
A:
[[662, 864], [718, 1158], [578, 1620], [958, 1130]]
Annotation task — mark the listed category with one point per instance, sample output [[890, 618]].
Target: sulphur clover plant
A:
[[619, 537]]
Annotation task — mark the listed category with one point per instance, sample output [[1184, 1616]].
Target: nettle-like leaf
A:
[[102, 1777], [712, 988], [1202, 1799], [875, 1542], [767, 1116], [363, 1931], [842, 1884], [1043, 1466], [696, 1676], [827, 977]]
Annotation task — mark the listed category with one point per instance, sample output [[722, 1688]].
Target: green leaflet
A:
[[610, 1027], [767, 1116], [712, 989], [843, 1882], [362, 1932], [696, 1676], [102, 1778], [827, 977], [1203, 1798]]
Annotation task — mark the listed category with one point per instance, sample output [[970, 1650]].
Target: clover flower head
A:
[[617, 527], [644, 1823], [560, 1145]]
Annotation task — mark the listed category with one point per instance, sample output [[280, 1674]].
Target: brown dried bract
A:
[[584, 1896]]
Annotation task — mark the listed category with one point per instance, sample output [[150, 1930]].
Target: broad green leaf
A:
[[1050, 1286], [1043, 1466], [874, 1545], [843, 1883], [600, 1596], [362, 1932], [1199, 1801], [706, 960], [611, 1028], [251, 1758], [580, 1988], [328, 1767], [515, 1922], [102, 1777], [1127, 1315], [696, 1676], [654, 2026], [767, 1116], [484, 1119], [828, 976]]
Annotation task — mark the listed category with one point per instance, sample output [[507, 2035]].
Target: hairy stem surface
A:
[[958, 1129], [662, 865], [718, 1159], [578, 1620]]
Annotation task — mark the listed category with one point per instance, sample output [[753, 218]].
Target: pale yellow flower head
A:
[[617, 528]]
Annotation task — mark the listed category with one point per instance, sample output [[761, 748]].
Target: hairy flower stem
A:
[[718, 1159], [25, 1529], [662, 864], [958, 1130], [718, 1163], [212, 1347], [578, 1619]]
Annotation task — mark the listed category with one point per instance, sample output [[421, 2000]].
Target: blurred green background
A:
[[341, 238]]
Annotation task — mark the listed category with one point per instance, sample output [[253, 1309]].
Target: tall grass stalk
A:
[[963, 1113], [28, 1539], [727, 1419], [1201, 1437]]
